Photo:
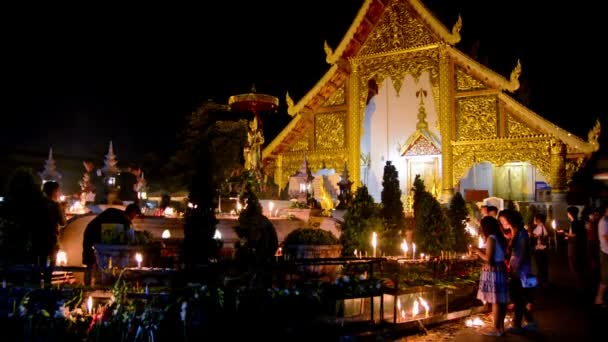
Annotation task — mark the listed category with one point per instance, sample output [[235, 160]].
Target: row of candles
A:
[[406, 249]]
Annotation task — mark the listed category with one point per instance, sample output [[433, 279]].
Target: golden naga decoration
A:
[[328, 53], [290, 104], [327, 203], [456, 28], [594, 134], [514, 79]]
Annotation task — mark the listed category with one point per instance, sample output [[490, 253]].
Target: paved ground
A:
[[562, 313]]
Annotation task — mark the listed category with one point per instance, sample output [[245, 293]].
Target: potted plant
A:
[[312, 243]]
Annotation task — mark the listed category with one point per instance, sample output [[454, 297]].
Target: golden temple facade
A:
[[477, 118]]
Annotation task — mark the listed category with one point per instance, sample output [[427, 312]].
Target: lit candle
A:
[[90, 305], [217, 235], [270, 207], [61, 259], [554, 224], [139, 258], [355, 253], [425, 305], [480, 242], [415, 308], [166, 234], [374, 243], [413, 251], [405, 248]]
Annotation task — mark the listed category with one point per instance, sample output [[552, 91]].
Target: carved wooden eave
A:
[[488, 76], [303, 111], [432, 144], [366, 19], [535, 121]]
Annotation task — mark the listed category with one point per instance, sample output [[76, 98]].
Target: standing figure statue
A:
[[253, 150]]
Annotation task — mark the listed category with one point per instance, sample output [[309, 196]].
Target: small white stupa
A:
[[50, 170], [110, 167]]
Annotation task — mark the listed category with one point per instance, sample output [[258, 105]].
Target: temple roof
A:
[[350, 46], [368, 17]]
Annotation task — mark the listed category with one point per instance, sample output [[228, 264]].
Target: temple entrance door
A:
[[428, 169]]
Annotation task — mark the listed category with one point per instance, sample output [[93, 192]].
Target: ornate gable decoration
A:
[[399, 28], [464, 81], [423, 142], [421, 146], [337, 98], [516, 128]]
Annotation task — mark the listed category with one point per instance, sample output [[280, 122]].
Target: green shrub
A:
[[310, 236]]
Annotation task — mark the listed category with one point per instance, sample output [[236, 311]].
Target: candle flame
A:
[[404, 246], [166, 234], [217, 235], [62, 258], [415, 308], [554, 224], [139, 258], [270, 206], [90, 304], [425, 305]]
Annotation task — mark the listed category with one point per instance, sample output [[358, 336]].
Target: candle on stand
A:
[[139, 259], [90, 305], [413, 251], [405, 248], [374, 243]]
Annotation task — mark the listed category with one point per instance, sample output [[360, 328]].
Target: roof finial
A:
[[329, 53]]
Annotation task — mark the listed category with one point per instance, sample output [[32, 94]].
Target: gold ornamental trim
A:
[[297, 108], [534, 120], [485, 74], [453, 37], [274, 144]]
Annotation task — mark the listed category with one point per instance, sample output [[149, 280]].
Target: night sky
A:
[[76, 77]]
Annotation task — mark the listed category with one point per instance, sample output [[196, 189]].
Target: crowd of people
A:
[[511, 247]]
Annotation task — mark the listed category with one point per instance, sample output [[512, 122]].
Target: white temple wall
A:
[[390, 119]]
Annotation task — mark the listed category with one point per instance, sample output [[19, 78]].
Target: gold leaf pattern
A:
[[329, 130], [464, 81], [337, 98], [477, 117], [398, 28], [516, 128]]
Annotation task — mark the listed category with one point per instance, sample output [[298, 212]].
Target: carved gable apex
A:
[[421, 143], [398, 28]]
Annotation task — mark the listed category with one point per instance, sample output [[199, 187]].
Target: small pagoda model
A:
[[300, 184], [50, 170], [345, 185], [110, 168]]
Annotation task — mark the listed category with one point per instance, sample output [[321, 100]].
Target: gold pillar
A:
[[278, 172], [558, 166], [445, 126], [558, 182], [354, 127]]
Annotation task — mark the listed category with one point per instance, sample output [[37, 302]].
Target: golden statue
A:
[[253, 150]]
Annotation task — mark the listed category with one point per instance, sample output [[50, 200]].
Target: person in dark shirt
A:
[[92, 233], [577, 243], [45, 239]]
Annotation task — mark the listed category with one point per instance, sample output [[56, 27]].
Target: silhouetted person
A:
[[92, 233], [45, 239]]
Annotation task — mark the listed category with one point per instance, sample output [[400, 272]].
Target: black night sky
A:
[[76, 77]]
